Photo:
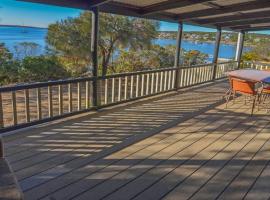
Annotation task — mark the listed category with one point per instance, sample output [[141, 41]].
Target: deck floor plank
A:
[[184, 145]]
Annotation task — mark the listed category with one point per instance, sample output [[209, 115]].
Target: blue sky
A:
[[14, 12]]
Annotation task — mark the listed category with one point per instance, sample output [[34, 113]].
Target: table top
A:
[[251, 75]]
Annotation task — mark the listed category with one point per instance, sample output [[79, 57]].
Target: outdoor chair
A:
[[243, 87], [9, 187]]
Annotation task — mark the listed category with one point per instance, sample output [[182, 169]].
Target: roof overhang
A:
[[236, 15]]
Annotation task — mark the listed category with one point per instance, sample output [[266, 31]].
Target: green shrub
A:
[[41, 68]]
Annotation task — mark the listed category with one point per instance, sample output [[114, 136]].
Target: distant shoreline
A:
[[20, 26]]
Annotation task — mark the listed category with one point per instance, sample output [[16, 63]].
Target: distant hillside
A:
[[20, 26], [251, 39]]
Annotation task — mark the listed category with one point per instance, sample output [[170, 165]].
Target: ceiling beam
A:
[[123, 9], [244, 22], [94, 3], [250, 28], [109, 7], [169, 4], [235, 17], [246, 6]]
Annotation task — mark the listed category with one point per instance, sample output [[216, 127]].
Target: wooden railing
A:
[[256, 65], [29, 104]]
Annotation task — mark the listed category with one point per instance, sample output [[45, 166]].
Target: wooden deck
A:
[[184, 145]]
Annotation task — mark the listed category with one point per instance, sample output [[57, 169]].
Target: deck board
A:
[[178, 146]]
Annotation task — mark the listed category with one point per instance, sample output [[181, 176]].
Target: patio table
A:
[[251, 75], [259, 76]]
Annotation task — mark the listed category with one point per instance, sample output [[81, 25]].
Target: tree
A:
[[194, 57], [5, 55], [26, 49], [8, 67], [41, 68], [71, 37], [154, 58]]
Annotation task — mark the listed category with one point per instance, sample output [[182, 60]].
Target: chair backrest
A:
[[243, 86]]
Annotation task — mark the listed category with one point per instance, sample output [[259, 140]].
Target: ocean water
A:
[[14, 35]]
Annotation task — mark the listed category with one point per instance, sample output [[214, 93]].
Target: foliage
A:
[[194, 57], [9, 72], [26, 49], [5, 55], [154, 58], [141, 59], [8, 67], [258, 53], [41, 68], [71, 37]]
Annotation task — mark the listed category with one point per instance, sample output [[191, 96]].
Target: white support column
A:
[[239, 47]]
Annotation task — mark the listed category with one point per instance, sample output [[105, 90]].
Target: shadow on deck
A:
[[177, 146]]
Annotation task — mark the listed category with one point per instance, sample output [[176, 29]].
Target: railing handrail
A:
[[112, 89], [257, 62], [43, 84], [76, 80]]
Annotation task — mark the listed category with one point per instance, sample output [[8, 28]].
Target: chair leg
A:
[[253, 105], [227, 97]]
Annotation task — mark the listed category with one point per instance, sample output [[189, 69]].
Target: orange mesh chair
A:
[[244, 87]]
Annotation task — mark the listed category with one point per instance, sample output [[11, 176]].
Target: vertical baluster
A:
[[27, 110], [197, 80], [113, 89], [79, 96], [50, 103], [191, 76], [169, 80], [142, 85], [70, 102], [173, 76], [14, 107], [165, 80], [119, 88], [184, 77], [212, 69], [137, 86], [147, 83], [1, 112], [131, 86], [152, 82], [39, 111], [106, 92], [161, 82], [201, 74], [157, 77], [195, 75], [60, 99], [204, 74], [188, 76], [87, 95], [126, 87]]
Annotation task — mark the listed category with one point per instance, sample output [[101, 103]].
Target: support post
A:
[[216, 52], [177, 55], [94, 54], [239, 48]]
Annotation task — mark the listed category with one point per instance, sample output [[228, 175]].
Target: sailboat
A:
[[24, 29]]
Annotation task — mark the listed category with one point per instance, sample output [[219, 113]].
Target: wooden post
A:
[[239, 48], [177, 55], [94, 53], [216, 52], [1, 112]]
